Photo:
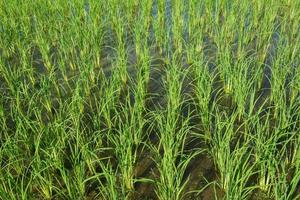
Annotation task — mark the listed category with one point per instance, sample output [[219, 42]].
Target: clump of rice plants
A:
[[159, 99]]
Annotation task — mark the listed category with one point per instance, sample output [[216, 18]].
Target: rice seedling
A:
[[285, 186], [118, 99], [232, 158], [170, 141]]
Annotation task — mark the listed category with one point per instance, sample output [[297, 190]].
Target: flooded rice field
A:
[[154, 99]]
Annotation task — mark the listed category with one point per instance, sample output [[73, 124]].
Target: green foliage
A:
[[100, 99]]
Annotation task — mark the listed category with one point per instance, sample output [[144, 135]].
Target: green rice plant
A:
[[43, 178], [213, 10], [124, 141], [105, 107], [110, 189], [21, 186], [171, 160], [289, 14], [266, 152], [285, 189], [16, 176], [294, 87], [280, 73], [244, 85], [267, 170], [129, 134], [2, 118], [178, 24], [125, 153], [44, 183], [159, 25], [172, 163], [225, 69], [70, 155], [195, 44], [241, 171], [202, 76], [131, 10], [67, 183], [283, 75], [287, 168], [264, 12], [141, 27], [139, 91], [8, 170], [196, 25], [245, 34], [121, 65], [294, 152], [231, 158], [203, 91], [107, 188]]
